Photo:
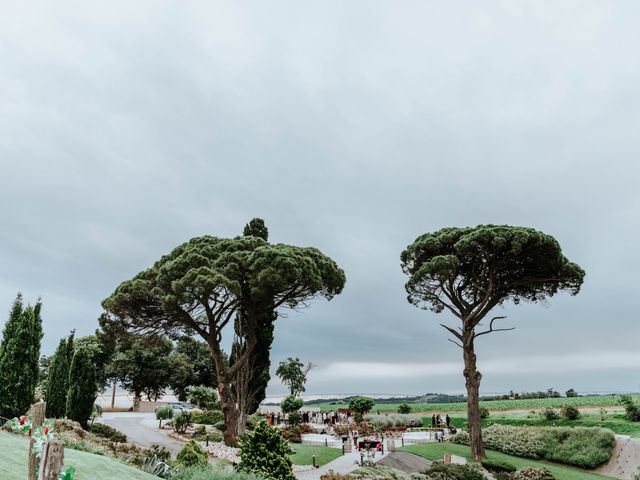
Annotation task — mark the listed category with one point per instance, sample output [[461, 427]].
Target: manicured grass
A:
[[13, 463], [436, 451], [614, 420], [304, 454], [526, 404]]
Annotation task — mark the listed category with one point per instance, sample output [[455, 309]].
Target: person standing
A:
[[433, 421], [448, 420]]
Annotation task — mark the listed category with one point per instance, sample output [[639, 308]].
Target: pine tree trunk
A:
[[472, 380], [231, 414], [137, 398]]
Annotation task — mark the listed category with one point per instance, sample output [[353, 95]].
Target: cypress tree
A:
[[82, 387], [19, 359], [58, 384]]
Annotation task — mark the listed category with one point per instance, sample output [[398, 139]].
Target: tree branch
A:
[[491, 329]]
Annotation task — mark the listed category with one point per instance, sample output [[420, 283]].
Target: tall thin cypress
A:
[[82, 387], [19, 359], [58, 383]]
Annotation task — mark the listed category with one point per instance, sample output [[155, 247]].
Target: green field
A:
[[13, 463], [496, 405], [613, 420], [303, 454], [436, 451]]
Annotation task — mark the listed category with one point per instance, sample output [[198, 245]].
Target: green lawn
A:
[[13, 463], [615, 421], [304, 454], [436, 451], [526, 404]]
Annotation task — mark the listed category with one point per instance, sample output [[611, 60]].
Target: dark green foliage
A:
[[484, 412], [82, 388], [361, 405], [163, 413], [293, 373], [20, 359], [291, 404], [497, 466], [209, 417], [570, 412], [550, 414], [265, 452], [142, 364], [440, 471], [108, 432], [191, 455], [58, 382], [404, 408], [101, 351], [294, 419], [571, 393], [631, 408], [191, 365], [582, 447]]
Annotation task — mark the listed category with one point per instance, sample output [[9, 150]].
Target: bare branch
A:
[[456, 343], [491, 329], [452, 331]]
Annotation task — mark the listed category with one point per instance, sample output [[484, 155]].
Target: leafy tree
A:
[[82, 388], [404, 407], [191, 365], [266, 453], [470, 271], [58, 382], [203, 397], [20, 358], [291, 404], [101, 353], [361, 405], [571, 393], [293, 373], [203, 284], [142, 365]]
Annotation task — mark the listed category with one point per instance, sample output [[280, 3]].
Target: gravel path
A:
[[344, 464], [625, 459], [141, 429], [405, 462]]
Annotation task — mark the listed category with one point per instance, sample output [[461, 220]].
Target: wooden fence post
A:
[[52, 460], [36, 412]]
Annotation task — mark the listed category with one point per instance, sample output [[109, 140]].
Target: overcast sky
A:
[[128, 128]]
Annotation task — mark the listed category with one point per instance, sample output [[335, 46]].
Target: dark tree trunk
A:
[[472, 381], [231, 414]]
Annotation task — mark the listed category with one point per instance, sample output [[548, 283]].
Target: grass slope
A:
[[303, 454], [13, 463], [615, 421], [436, 451], [527, 404]]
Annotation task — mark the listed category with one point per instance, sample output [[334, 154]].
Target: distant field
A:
[[614, 420], [496, 405]]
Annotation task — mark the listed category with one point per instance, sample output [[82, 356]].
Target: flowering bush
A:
[[41, 434], [394, 420], [531, 473]]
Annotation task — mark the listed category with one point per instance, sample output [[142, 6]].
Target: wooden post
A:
[[52, 460], [36, 412], [447, 458]]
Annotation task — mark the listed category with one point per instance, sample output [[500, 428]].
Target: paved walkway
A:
[[343, 464], [141, 429]]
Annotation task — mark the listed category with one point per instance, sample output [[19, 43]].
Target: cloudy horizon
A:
[[127, 129]]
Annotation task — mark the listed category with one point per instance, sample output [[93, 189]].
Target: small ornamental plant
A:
[[41, 434]]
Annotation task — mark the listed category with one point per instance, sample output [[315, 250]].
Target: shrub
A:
[[440, 471], [583, 447], [531, 473], [160, 451], [404, 408], [361, 405], [550, 414], [203, 397], [108, 432], [497, 466], [267, 453], [294, 433], [155, 466], [630, 407], [570, 412], [164, 413], [181, 422], [377, 473], [394, 420], [191, 454], [220, 425], [212, 473], [294, 419], [208, 417], [291, 404], [484, 412]]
